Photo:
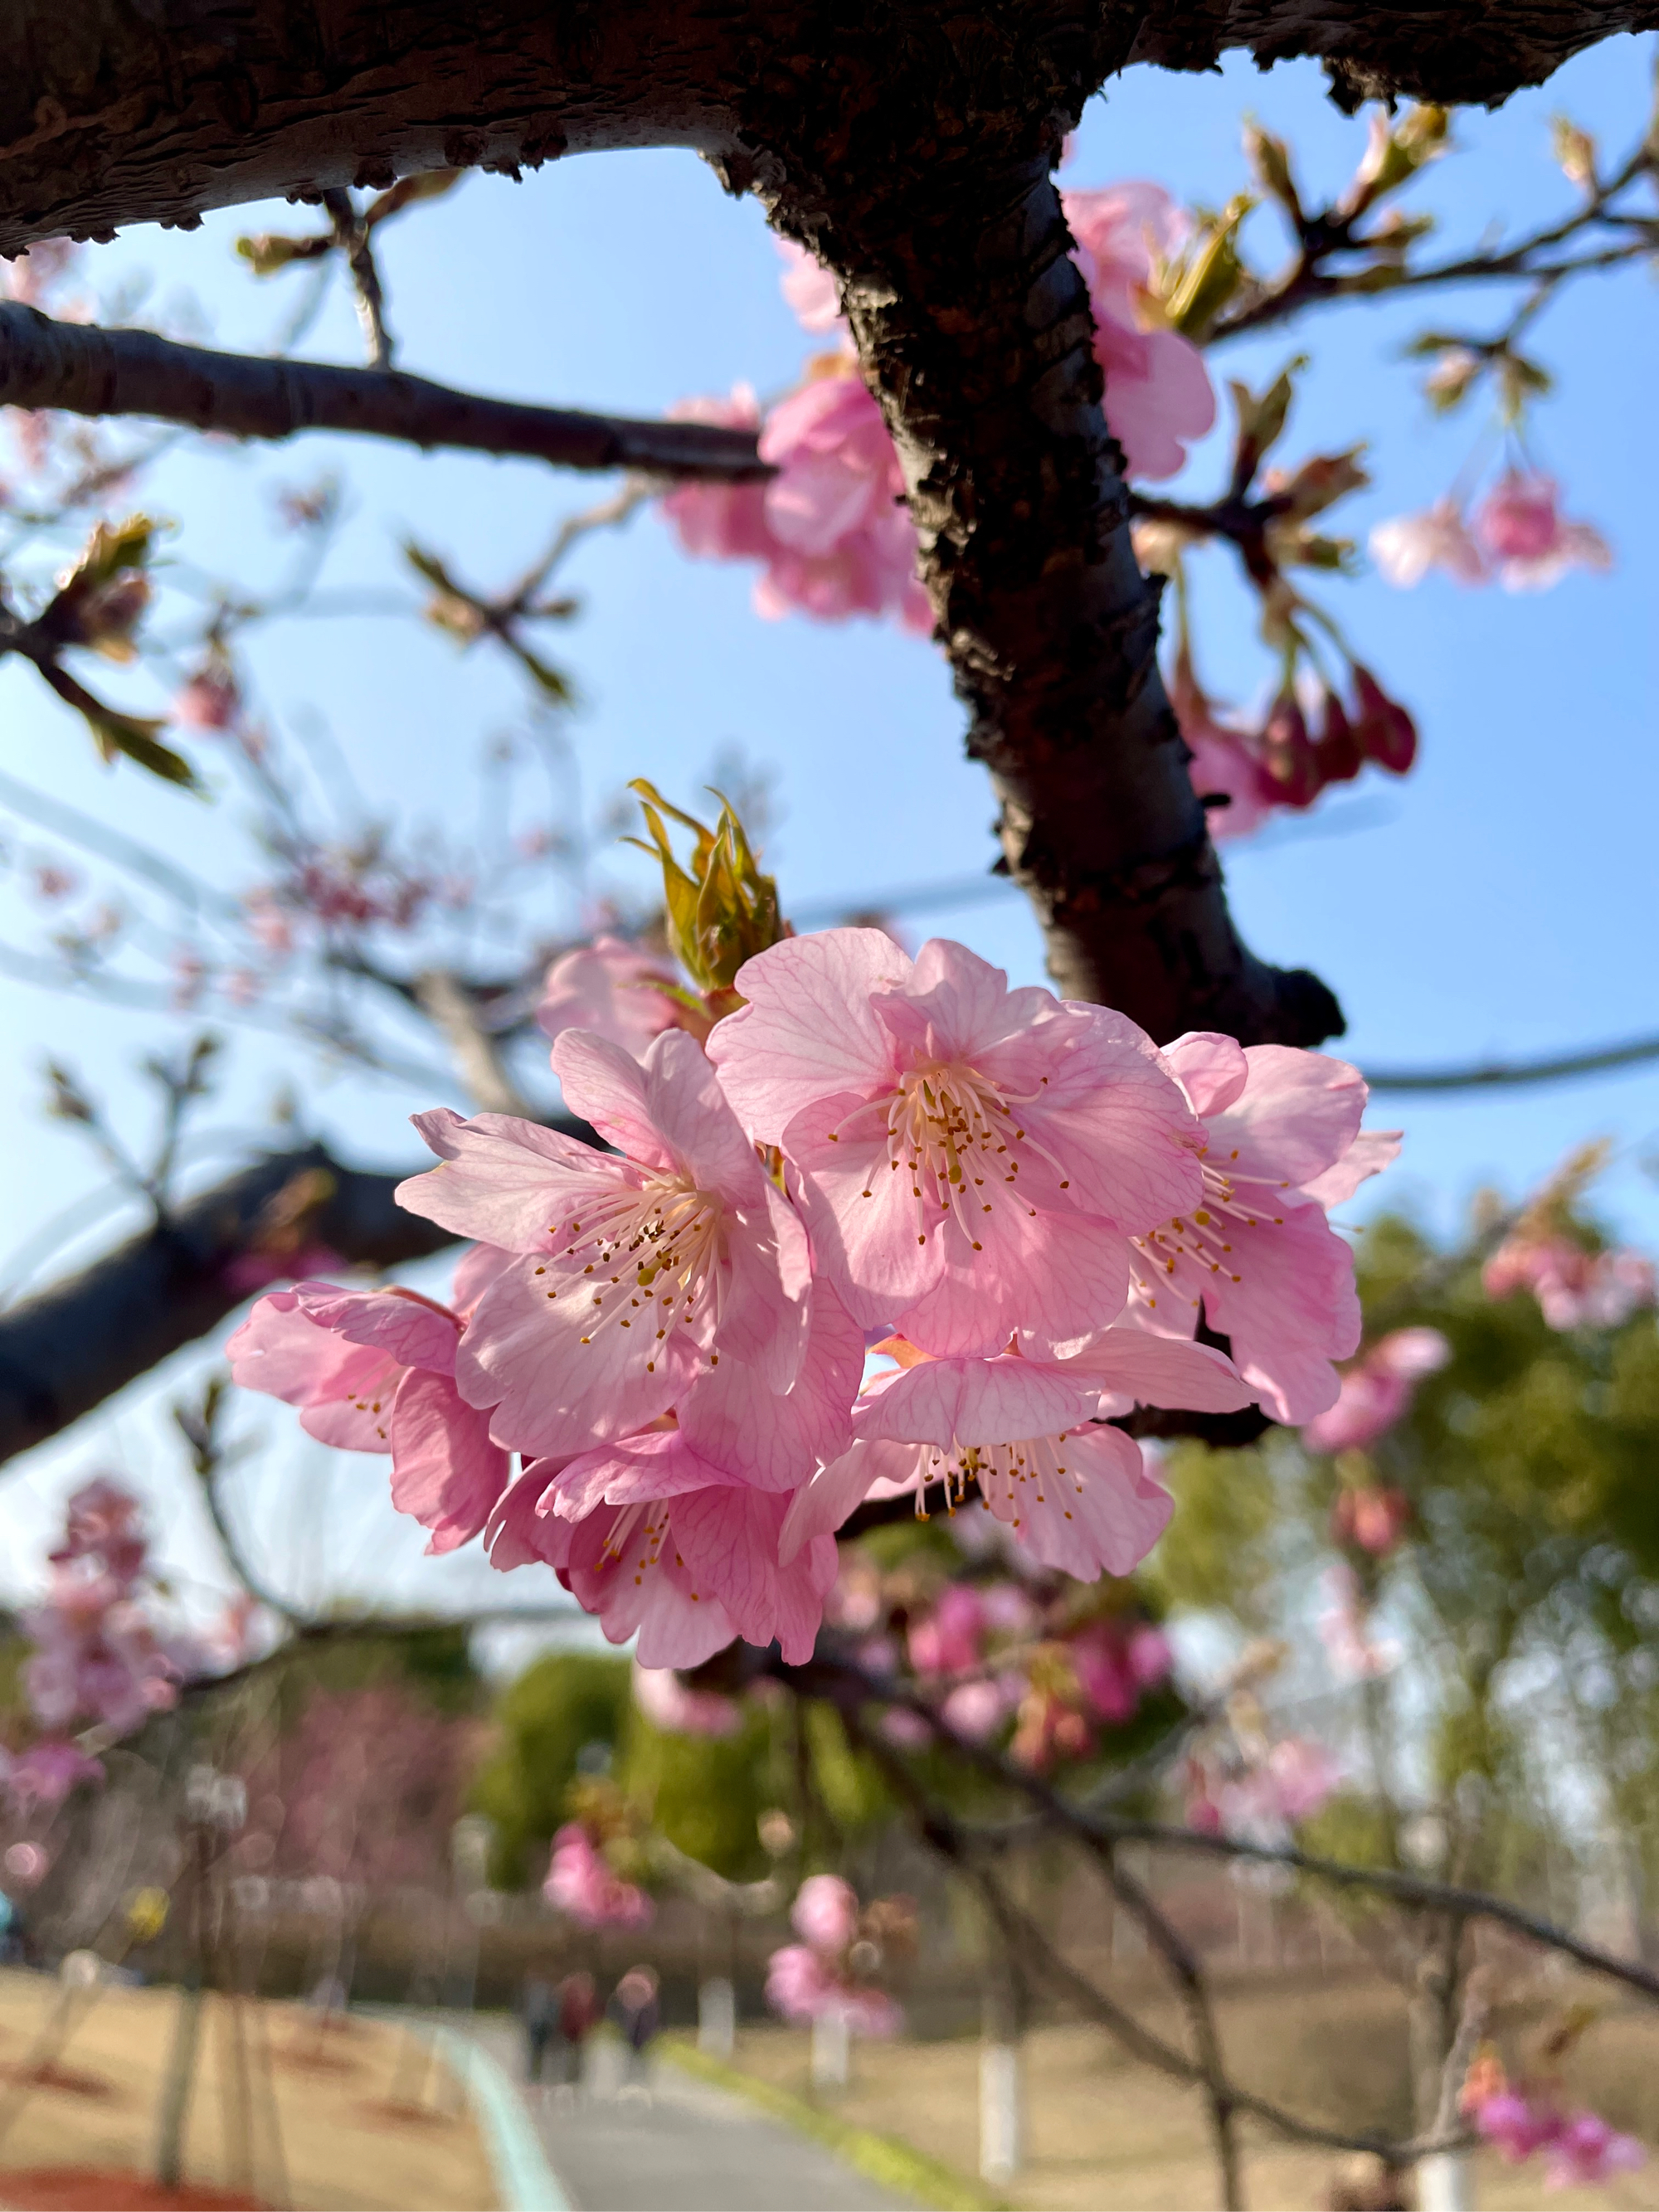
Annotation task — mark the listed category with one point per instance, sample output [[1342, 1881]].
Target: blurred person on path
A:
[[636, 2010], [577, 2017]]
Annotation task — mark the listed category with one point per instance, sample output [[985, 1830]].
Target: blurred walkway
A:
[[692, 2149]]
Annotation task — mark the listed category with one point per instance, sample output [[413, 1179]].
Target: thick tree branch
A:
[[113, 112], [82, 370], [67, 1349]]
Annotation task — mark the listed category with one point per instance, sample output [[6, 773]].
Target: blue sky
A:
[[1499, 901]]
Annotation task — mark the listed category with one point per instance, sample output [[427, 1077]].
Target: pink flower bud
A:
[[1386, 733], [1288, 753]]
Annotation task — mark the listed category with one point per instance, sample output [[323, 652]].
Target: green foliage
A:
[[554, 1711], [706, 1794], [1216, 1552]]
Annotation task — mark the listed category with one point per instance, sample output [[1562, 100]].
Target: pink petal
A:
[[524, 1354], [503, 1181], [976, 1401], [1210, 1068], [1124, 1136], [1297, 1116], [808, 1031], [656, 1463], [776, 1442], [818, 1509], [607, 1086], [445, 1473], [517, 1535], [1371, 1151], [1055, 1277], [1133, 1369], [1102, 1516], [405, 1327]]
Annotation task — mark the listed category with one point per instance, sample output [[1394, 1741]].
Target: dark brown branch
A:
[[66, 1350], [82, 370], [111, 113]]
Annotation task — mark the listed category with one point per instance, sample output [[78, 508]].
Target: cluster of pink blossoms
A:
[[1579, 2147], [1025, 1201], [1377, 1391], [829, 527], [830, 1971], [1286, 763], [584, 1885], [1518, 537], [1575, 1288], [1263, 1791], [98, 1661]]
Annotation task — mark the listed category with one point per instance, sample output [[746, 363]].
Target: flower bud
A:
[[724, 910], [1288, 753], [1386, 732], [1337, 750]]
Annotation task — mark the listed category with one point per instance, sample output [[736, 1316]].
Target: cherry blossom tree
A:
[[824, 1237]]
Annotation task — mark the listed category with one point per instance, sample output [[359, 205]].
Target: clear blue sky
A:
[[1499, 901]]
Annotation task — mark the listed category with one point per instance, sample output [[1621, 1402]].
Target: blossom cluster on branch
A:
[[100, 1667], [833, 1972], [1032, 1217]]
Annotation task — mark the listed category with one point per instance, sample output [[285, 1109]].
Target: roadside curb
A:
[[525, 2182], [885, 2160]]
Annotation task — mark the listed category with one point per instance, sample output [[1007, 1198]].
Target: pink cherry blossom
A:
[[46, 1773], [1158, 394], [1277, 1791], [812, 291], [722, 522], [800, 1985], [1115, 1662], [1407, 546], [1587, 2152], [587, 1890], [1574, 1288], [972, 1160], [1532, 546], [949, 1639], [1256, 1255], [825, 1912], [637, 1275], [1373, 1518], [1225, 763], [615, 989], [374, 1372], [657, 1542], [1073, 1492], [977, 1710], [673, 1705], [843, 543], [1377, 1391], [1581, 2149]]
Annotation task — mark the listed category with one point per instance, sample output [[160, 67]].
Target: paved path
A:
[[689, 2147]]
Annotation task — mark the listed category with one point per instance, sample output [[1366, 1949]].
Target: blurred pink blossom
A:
[[1531, 545], [825, 1912], [1159, 395], [210, 699], [614, 988], [1378, 1390], [948, 1639], [583, 1886], [722, 522], [1574, 1288], [1373, 1518], [1581, 2148], [843, 541], [670, 1704], [812, 294], [46, 1773], [1406, 547]]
